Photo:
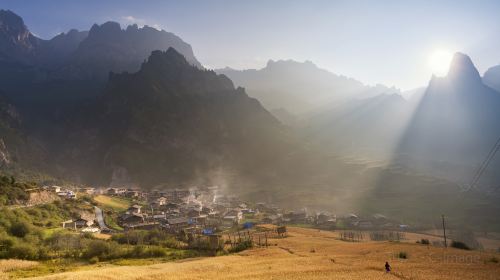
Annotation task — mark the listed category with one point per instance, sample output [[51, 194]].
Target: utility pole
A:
[[444, 233]]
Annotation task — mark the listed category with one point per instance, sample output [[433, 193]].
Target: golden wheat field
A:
[[10, 265], [313, 254]]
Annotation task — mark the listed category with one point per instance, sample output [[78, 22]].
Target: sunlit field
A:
[[112, 202], [313, 254], [11, 265]]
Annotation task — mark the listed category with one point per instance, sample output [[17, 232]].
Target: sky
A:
[[389, 42]]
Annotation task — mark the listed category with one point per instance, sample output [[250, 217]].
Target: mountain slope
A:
[[171, 121]]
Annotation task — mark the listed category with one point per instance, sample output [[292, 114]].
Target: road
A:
[[100, 218]]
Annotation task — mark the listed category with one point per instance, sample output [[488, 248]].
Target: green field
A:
[[115, 203]]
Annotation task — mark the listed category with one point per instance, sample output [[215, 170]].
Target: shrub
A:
[[20, 229], [493, 260], [425, 241], [459, 245], [155, 252], [241, 246], [402, 255], [6, 242], [23, 251], [96, 248], [94, 260]]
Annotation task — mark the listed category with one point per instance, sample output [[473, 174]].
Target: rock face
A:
[[108, 48], [78, 55], [16, 42], [171, 121]]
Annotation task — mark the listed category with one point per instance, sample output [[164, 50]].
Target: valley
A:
[[261, 140]]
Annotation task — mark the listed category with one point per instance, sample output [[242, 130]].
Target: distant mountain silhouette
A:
[[299, 87], [491, 77], [78, 55], [110, 48], [456, 122]]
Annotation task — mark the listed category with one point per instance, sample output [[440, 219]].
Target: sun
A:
[[439, 62]]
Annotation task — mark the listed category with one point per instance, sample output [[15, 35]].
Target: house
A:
[[176, 224], [143, 226], [380, 219], [243, 206], [229, 221], [87, 190], [364, 224], [131, 219], [181, 194], [236, 213], [132, 193], [86, 220], [352, 219], [248, 211], [322, 218], [201, 219], [296, 217], [161, 201], [193, 213], [171, 206], [271, 219], [67, 194], [134, 209], [116, 191], [161, 216], [206, 210], [81, 223], [69, 224]]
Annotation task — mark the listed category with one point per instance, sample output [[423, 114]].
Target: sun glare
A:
[[439, 62]]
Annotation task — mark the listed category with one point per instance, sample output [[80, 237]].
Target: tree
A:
[[20, 229]]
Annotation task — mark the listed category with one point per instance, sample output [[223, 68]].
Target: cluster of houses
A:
[[194, 210], [205, 211]]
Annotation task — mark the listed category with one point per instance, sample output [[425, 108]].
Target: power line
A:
[[484, 165]]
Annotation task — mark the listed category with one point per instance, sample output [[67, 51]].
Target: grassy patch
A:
[[115, 203], [111, 222], [44, 268]]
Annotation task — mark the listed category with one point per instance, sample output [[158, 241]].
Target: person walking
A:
[[387, 267]]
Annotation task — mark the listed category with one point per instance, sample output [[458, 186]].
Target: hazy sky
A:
[[386, 42]]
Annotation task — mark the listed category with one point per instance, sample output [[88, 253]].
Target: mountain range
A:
[[113, 106], [108, 106], [300, 87]]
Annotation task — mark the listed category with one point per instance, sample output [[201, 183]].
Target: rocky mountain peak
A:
[[16, 41], [462, 69]]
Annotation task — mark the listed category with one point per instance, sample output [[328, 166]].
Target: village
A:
[[203, 211]]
